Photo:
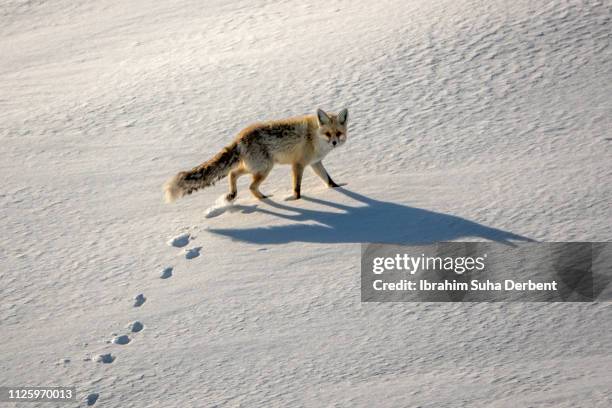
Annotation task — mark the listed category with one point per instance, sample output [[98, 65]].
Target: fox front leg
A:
[[322, 173], [298, 172]]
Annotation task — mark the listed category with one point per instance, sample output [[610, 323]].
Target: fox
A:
[[299, 141]]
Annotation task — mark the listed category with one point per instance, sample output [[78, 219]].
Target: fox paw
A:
[[230, 197]]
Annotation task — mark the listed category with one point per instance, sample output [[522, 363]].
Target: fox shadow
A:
[[372, 221]]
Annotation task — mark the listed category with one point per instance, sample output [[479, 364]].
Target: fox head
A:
[[332, 128]]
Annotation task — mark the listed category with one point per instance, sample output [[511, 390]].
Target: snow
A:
[[220, 206], [468, 120]]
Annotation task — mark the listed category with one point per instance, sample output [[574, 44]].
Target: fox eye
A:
[[338, 134], [327, 134]]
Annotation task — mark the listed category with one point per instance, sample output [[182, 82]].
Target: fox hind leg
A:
[[233, 178], [258, 178], [258, 162]]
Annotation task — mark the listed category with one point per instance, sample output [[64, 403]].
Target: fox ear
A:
[[323, 118], [343, 116]]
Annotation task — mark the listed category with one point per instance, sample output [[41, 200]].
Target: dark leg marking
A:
[[298, 171]]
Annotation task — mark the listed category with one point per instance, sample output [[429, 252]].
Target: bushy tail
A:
[[204, 175]]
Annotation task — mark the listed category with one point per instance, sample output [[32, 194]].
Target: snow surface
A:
[[469, 120]]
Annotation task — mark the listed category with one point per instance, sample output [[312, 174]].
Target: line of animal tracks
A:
[[135, 327]]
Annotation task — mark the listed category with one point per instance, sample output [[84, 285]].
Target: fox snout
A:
[[334, 141], [337, 141]]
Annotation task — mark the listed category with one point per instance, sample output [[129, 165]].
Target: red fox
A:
[[300, 141]]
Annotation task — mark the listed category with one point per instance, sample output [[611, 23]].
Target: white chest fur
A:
[[322, 147]]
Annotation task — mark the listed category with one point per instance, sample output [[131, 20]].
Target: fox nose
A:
[[334, 142]]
